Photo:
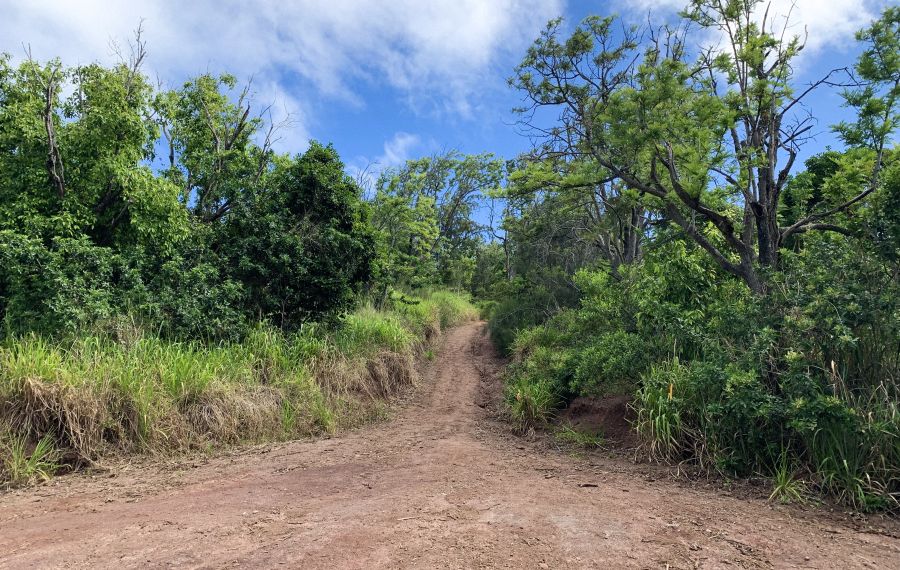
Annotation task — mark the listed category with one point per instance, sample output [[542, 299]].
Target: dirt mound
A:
[[610, 417]]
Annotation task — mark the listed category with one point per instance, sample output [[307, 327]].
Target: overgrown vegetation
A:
[[663, 242], [170, 281], [84, 397]]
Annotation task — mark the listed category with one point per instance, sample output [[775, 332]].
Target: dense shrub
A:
[[220, 234], [300, 250], [809, 380]]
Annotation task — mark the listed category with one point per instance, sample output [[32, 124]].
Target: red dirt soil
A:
[[442, 485], [608, 417]]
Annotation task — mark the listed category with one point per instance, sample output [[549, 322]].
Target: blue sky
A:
[[383, 81]]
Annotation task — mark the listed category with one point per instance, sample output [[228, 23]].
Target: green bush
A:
[[720, 380], [855, 454], [68, 285], [610, 364]]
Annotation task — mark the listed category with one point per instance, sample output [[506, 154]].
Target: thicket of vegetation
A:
[[663, 241], [170, 281]]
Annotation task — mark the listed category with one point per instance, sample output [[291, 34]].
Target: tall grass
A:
[[95, 394], [530, 403], [845, 445], [658, 403], [21, 465]]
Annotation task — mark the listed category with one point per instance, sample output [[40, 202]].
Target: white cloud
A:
[[436, 54], [397, 150], [829, 24]]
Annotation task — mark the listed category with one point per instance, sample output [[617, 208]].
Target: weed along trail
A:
[[441, 485]]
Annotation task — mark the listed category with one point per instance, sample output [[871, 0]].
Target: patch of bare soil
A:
[[609, 416], [443, 485]]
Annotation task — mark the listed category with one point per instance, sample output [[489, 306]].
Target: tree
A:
[[600, 212], [708, 140], [78, 165], [426, 210], [301, 249], [218, 234], [405, 228], [211, 154]]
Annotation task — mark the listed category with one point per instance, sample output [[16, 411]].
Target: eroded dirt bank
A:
[[440, 486]]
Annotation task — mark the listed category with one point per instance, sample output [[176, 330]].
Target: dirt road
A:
[[442, 485]]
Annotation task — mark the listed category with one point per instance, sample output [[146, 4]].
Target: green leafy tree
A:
[[425, 213], [708, 139], [302, 248], [213, 235], [405, 228]]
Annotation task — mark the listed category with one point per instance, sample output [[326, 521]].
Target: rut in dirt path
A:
[[443, 485]]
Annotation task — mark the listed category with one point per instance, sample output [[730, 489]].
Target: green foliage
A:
[[648, 127], [301, 250], [722, 380], [429, 312], [368, 330], [609, 363], [223, 234], [855, 450], [61, 287], [530, 404], [452, 308], [655, 246], [23, 466], [423, 217], [522, 304], [876, 102], [659, 414]]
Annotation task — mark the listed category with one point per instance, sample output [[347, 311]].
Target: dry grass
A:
[[94, 396]]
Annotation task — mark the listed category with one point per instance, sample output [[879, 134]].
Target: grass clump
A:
[[658, 421], [787, 487], [530, 403], [569, 435], [23, 466]]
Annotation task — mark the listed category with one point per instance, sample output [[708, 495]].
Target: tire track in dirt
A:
[[442, 485]]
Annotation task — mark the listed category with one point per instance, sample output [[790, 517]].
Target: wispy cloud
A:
[[398, 149], [829, 24], [402, 146], [437, 55]]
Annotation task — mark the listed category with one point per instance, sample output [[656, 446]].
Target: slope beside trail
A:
[[442, 485]]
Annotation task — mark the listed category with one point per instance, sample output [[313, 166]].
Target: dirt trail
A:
[[441, 486]]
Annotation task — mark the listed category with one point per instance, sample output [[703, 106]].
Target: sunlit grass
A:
[[94, 394]]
